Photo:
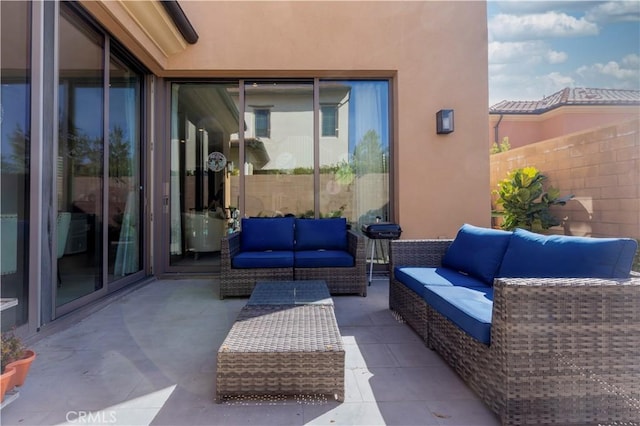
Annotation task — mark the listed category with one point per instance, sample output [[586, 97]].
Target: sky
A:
[[537, 48]]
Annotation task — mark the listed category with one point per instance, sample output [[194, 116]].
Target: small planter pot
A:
[[6, 380], [22, 367]]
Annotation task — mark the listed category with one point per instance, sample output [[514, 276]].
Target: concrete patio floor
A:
[[148, 357]]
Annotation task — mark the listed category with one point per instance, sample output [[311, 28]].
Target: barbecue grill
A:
[[380, 231]]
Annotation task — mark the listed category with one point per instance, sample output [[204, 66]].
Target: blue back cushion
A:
[[477, 251], [261, 234], [327, 234], [534, 255]]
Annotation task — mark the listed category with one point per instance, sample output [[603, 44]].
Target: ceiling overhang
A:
[[156, 23]]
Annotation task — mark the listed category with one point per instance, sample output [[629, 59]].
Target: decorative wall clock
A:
[[217, 161]]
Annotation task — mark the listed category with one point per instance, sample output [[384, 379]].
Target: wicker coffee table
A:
[[285, 341]]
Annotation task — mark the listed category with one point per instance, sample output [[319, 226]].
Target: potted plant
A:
[[15, 356], [6, 381]]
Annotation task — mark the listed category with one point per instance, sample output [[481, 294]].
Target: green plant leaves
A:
[[525, 202]]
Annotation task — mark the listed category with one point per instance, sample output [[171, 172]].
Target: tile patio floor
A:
[[148, 358]]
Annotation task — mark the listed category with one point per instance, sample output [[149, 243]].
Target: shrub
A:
[[12, 349], [525, 202]]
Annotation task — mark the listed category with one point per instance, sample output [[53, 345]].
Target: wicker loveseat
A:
[[540, 348], [287, 248]]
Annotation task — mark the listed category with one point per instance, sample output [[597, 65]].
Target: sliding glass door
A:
[[204, 117], [278, 161], [80, 165], [307, 148], [124, 229], [98, 234], [15, 122]]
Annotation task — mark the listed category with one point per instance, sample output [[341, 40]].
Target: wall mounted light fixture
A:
[[444, 121]]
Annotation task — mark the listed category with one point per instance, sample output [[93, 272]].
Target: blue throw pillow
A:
[[545, 256], [261, 234], [326, 234], [477, 251]]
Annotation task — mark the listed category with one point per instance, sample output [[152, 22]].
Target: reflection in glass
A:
[[124, 230], [15, 121], [203, 118], [80, 159], [279, 162], [354, 158]]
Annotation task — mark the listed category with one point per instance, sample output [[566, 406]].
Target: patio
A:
[[149, 356]]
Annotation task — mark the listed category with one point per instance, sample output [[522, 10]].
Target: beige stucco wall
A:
[[524, 129], [600, 166], [435, 54]]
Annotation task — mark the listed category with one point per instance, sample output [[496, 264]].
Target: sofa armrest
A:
[[544, 329], [355, 246], [229, 247], [427, 253]]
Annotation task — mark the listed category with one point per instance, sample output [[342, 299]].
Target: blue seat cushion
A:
[[416, 278], [263, 259], [535, 255], [468, 308], [260, 234], [314, 234], [477, 251], [323, 259]]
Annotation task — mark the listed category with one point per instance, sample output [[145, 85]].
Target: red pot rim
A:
[[29, 356]]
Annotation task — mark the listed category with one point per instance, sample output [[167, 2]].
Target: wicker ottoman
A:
[[282, 350]]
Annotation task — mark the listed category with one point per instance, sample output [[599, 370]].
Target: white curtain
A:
[[175, 247], [369, 110], [127, 252]]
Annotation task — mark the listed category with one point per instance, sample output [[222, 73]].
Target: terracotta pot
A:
[[6, 380], [22, 367]]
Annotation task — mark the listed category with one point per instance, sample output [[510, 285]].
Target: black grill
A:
[[382, 231]]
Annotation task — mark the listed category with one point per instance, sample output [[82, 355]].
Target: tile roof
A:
[[569, 96]]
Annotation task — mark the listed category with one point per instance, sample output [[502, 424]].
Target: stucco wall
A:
[[601, 167], [434, 53], [524, 129]]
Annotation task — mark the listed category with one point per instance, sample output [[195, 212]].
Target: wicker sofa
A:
[[542, 350], [286, 248]]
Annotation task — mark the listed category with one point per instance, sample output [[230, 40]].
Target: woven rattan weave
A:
[[563, 351], [282, 349], [340, 280]]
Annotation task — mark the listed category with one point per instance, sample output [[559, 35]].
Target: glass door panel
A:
[[203, 119], [124, 234], [15, 122], [80, 168], [354, 150], [279, 160]]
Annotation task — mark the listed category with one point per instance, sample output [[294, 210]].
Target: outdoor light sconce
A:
[[444, 121]]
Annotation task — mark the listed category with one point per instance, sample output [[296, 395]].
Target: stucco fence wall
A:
[[601, 167]]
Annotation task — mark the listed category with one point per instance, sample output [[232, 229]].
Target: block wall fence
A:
[[601, 167]]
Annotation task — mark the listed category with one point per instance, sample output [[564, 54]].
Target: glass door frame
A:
[[161, 157]]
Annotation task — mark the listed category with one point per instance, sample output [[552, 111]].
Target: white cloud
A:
[[524, 52], [632, 61], [518, 7], [555, 57], [555, 81], [526, 87], [539, 26], [610, 69], [614, 11]]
